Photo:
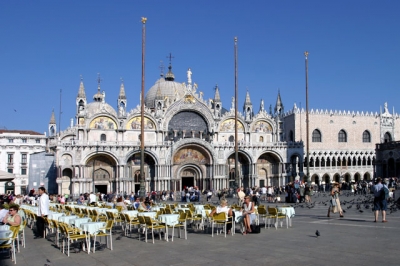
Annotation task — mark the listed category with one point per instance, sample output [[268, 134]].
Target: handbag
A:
[[255, 229]]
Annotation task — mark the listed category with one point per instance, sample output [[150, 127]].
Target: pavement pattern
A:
[[354, 239]]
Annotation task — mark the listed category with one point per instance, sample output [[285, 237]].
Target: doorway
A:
[[187, 181], [100, 188]]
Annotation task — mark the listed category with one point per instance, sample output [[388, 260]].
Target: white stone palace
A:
[[190, 141]]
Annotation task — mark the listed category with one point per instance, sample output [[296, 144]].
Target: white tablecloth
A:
[[132, 213], [65, 219], [92, 227], [169, 219], [288, 211], [5, 234], [55, 216], [149, 214], [79, 221]]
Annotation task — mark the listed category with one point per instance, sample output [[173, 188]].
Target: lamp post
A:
[[308, 178], [142, 177]]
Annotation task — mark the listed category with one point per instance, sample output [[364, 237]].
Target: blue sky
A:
[[354, 58]]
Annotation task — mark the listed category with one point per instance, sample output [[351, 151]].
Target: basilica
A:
[[189, 141]]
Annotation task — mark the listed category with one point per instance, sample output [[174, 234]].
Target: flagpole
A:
[[142, 174]]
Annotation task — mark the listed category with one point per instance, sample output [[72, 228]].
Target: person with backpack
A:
[[381, 192]]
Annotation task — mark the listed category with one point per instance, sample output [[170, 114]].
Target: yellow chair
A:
[[274, 214], [106, 232], [219, 219], [142, 224], [9, 242], [119, 208], [70, 235], [153, 225], [181, 224], [129, 221]]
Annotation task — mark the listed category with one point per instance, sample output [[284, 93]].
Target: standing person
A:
[[92, 199], [43, 211], [380, 203], [335, 202]]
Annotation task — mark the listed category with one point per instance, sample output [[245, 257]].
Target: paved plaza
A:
[[354, 239]]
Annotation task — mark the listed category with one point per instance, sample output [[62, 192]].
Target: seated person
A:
[[136, 204], [13, 218], [3, 213], [121, 203], [223, 207], [247, 211], [143, 206]]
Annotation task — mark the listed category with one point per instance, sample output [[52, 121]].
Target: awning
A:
[[6, 176]]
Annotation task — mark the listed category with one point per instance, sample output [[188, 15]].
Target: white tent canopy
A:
[[6, 176]]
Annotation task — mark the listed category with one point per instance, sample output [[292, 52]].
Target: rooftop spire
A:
[[122, 90], [81, 92], [52, 118], [279, 105], [247, 101], [217, 98]]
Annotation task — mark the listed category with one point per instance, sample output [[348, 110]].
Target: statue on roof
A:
[[189, 76]]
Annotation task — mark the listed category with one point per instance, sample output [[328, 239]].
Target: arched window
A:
[[387, 137], [366, 136], [342, 137], [103, 138], [261, 139], [316, 136]]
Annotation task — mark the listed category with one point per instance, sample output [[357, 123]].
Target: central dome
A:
[[168, 90]]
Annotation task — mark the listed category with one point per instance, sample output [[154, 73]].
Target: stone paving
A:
[[354, 239]]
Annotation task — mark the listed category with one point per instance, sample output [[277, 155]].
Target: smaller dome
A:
[[167, 89], [95, 108]]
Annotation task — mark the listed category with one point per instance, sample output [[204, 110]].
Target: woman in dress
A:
[[334, 205], [247, 211]]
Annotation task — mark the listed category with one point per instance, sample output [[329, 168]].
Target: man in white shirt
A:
[[92, 199], [43, 211]]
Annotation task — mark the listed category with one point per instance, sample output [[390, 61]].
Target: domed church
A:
[[189, 141]]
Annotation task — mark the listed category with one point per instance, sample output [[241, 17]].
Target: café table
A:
[[152, 215], [288, 212], [169, 220], [90, 229], [55, 215], [77, 222], [65, 219], [131, 213]]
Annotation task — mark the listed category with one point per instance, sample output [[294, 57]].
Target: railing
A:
[[68, 143], [388, 145]]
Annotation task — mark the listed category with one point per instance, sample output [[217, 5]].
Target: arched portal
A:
[[357, 177], [133, 172], [268, 164], [243, 169], [191, 167], [66, 179], [102, 170]]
